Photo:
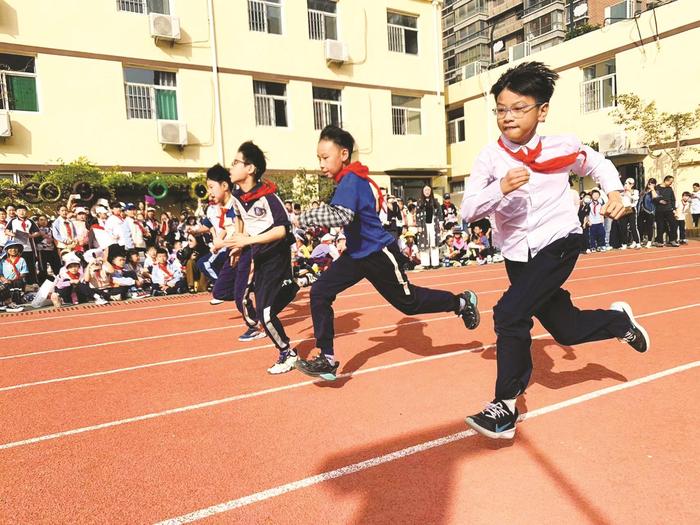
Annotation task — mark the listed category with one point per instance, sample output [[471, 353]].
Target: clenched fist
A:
[[515, 178]]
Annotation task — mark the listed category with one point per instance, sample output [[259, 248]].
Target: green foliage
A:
[[303, 187], [655, 127], [581, 30]]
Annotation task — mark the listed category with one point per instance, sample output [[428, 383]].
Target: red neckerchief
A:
[[164, 269], [69, 229], [222, 217], [164, 229], [361, 171], [4, 223], [143, 230], [24, 224], [117, 268], [14, 266], [548, 166], [97, 226], [75, 276], [595, 205], [264, 188]]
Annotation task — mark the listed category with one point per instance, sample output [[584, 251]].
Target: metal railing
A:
[[539, 5], [543, 30], [140, 101], [404, 121], [257, 19], [598, 93], [132, 6], [318, 21], [327, 112], [397, 38]]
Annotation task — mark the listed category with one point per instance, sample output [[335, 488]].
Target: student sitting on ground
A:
[[167, 277], [14, 271], [196, 248], [71, 288]]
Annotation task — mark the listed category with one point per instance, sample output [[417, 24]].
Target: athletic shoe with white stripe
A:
[[637, 337], [285, 363], [251, 335], [470, 312]]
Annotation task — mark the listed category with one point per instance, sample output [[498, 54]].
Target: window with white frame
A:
[[327, 107], [553, 21], [457, 186], [144, 6], [405, 115], [270, 104], [403, 33], [265, 16], [323, 20], [18, 83], [150, 94], [456, 131], [599, 86]]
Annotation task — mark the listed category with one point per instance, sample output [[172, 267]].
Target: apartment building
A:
[[644, 55], [174, 86], [478, 34]]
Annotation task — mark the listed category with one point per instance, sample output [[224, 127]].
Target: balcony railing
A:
[[327, 112], [539, 5], [322, 25]]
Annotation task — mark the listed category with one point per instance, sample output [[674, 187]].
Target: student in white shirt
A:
[[119, 229], [595, 220], [695, 204], [523, 180], [628, 223]]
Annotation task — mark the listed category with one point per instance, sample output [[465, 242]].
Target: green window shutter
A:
[[166, 104], [22, 93]]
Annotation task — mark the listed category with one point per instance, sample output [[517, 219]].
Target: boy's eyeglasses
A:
[[517, 111], [236, 161]]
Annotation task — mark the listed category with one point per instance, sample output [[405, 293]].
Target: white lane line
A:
[[414, 277], [294, 342], [259, 393], [303, 302], [409, 451]]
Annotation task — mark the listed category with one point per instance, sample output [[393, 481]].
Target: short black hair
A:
[[532, 79], [21, 207], [595, 191], [338, 136], [3, 209], [252, 154], [162, 251], [115, 205], [668, 177], [219, 174], [696, 183], [685, 193]]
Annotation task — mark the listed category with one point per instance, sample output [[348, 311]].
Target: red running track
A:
[[152, 410]]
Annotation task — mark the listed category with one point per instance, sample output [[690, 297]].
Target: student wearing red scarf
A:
[[371, 253], [523, 181], [13, 273]]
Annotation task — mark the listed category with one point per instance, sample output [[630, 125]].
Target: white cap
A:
[[327, 238], [91, 255], [630, 180], [101, 209], [70, 258], [80, 209]]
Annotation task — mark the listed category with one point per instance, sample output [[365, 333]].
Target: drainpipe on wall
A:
[[218, 131]]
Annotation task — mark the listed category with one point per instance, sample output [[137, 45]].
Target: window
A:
[[150, 94], [457, 186], [144, 6], [327, 107], [323, 22], [470, 9], [455, 126], [405, 113], [18, 83], [550, 22], [599, 86], [12, 178], [403, 33], [270, 104], [265, 16]]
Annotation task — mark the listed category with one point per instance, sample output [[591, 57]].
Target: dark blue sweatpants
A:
[[232, 283]]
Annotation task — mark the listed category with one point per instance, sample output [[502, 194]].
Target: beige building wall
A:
[[657, 69], [82, 47]]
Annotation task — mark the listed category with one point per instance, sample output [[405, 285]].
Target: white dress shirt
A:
[[541, 211]]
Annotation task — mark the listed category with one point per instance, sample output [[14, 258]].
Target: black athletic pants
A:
[[535, 290], [666, 221], [384, 270]]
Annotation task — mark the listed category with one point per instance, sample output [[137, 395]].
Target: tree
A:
[[656, 129]]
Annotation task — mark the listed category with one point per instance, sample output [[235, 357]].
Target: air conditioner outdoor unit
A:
[[616, 141], [474, 68], [336, 51], [172, 132], [518, 51], [5, 124], [164, 26]]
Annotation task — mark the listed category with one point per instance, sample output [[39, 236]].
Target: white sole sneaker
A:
[[283, 368], [622, 306], [259, 335], [216, 301]]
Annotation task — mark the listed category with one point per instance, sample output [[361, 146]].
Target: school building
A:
[[650, 54], [174, 86]]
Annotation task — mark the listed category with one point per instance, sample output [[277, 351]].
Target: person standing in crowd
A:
[[152, 227], [196, 249], [3, 226], [695, 204], [584, 210], [627, 225], [81, 228], [523, 180], [371, 253], [63, 231], [682, 212], [665, 201], [267, 236], [136, 229], [449, 213], [646, 213], [25, 230], [46, 250], [428, 219], [595, 220], [118, 228]]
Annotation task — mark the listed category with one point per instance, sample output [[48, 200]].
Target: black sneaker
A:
[[470, 312], [495, 421], [637, 337], [318, 367]]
